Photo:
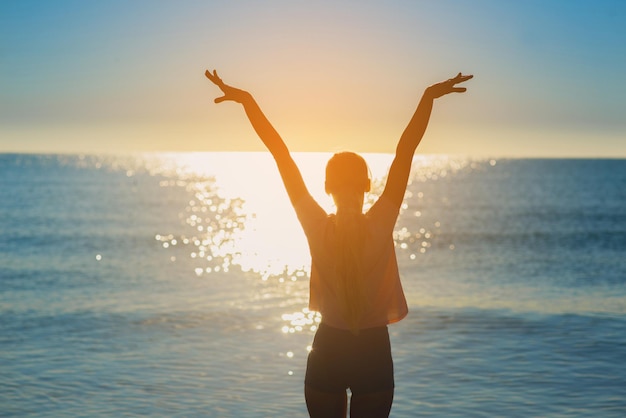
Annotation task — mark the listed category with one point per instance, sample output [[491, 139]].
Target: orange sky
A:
[[118, 77]]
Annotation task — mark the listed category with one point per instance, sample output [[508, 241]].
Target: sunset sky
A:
[[127, 76]]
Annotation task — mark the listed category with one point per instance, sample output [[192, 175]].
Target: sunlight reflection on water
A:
[[238, 216], [242, 216]]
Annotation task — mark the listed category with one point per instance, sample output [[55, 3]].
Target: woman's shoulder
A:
[[383, 207], [382, 216], [309, 212]]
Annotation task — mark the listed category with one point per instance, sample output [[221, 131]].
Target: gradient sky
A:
[[127, 76]]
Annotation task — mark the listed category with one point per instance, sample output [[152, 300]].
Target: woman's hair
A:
[[347, 179], [347, 171]]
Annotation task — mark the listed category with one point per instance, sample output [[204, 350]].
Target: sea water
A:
[[175, 285]]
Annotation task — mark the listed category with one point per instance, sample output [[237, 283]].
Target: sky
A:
[[127, 76]]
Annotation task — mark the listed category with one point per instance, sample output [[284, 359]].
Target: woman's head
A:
[[347, 175]]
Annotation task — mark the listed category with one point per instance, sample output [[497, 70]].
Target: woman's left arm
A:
[[411, 137]]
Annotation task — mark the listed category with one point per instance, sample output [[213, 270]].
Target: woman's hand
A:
[[230, 93], [449, 86]]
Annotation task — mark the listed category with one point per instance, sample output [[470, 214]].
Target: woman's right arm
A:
[[401, 166], [289, 171]]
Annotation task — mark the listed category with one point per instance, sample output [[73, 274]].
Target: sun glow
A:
[[263, 235], [239, 213], [242, 213]]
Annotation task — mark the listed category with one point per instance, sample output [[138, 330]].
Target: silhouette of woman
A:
[[354, 281]]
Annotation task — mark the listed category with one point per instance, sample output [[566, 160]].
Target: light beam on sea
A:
[[242, 211]]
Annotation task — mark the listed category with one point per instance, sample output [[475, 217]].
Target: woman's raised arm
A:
[[401, 166], [289, 172]]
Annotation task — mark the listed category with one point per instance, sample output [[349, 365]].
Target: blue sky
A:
[[114, 76]]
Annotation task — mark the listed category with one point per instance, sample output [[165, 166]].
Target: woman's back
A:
[[384, 298]]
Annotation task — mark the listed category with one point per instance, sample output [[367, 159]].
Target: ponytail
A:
[[349, 257]]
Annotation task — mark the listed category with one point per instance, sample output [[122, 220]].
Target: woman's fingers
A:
[[214, 77], [218, 81], [210, 76], [461, 78]]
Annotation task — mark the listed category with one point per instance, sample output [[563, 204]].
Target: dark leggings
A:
[[340, 360]]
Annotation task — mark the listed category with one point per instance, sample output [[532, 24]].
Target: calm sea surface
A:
[[175, 285]]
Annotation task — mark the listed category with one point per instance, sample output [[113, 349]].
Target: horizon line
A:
[[417, 154]]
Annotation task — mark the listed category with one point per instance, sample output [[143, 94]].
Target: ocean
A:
[[175, 285]]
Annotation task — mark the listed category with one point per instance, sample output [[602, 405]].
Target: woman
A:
[[354, 281]]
